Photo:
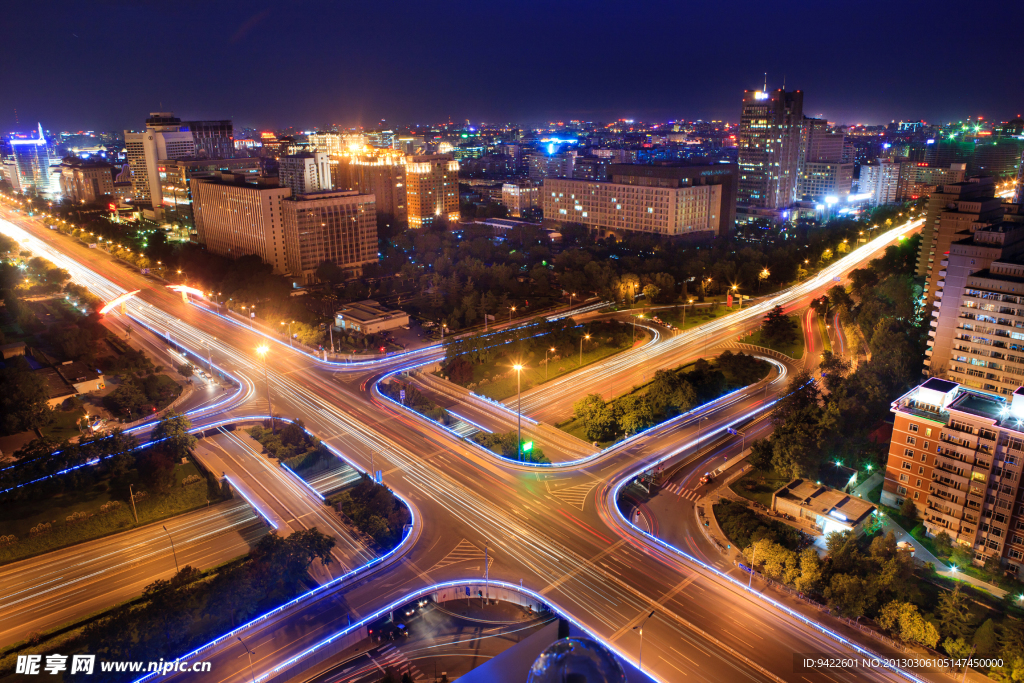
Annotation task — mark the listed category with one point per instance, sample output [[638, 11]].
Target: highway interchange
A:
[[555, 529]]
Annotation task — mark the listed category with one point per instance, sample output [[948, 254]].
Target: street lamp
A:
[[763, 275], [641, 316], [750, 574], [700, 424], [546, 351], [172, 549], [262, 351], [587, 337], [289, 330], [511, 310], [688, 302], [250, 657], [640, 628]]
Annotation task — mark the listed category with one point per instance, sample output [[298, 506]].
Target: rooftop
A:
[[826, 502]]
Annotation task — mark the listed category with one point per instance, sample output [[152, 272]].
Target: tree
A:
[[761, 452], [943, 543], [597, 419], [904, 621], [777, 326], [957, 648], [23, 398], [953, 614], [810, 571], [173, 430], [156, 469], [186, 369], [328, 271], [962, 556], [847, 593], [908, 509], [651, 292], [128, 397], [834, 368]]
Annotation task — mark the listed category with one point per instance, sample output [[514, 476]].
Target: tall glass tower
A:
[[32, 164]]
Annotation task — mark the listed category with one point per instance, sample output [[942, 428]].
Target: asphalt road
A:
[[554, 530], [64, 585]]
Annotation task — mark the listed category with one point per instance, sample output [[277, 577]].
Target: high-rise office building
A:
[[880, 180], [957, 454], [32, 163], [240, 215], [340, 227], [382, 175], [165, 137], [213, 139], [305, 173], [671, 201], [822, 172], [432, 189], [769, 147]]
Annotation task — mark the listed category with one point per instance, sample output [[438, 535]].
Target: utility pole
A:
[[487, 574], [131, 495]]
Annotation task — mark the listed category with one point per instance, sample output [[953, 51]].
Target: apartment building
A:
[[953, 212], [918, 179], [165, 137], [957, 452]]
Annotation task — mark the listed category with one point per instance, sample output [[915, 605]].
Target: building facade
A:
[[165, 137], [305, 173], [176, 177], [432, 189], [957, 453], [340, 227], [86, 182], [520, 197], [383, 176], [880, 181], [32, 162], [239, 215], [663, 200], [769, 142], [213, 139]]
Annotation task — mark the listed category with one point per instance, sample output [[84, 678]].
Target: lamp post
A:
[[640, 629], [739, 297], [289, 331], [763, 275], [546, 351], [750, 574], [688, 302], [571, 295], [519, 410], [250, 652], [587, 337], [511, 310], [262, 351], [700, 424], [173, 551]]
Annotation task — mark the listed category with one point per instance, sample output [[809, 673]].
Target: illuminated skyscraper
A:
[[769, 147], [32, 165], [165, 137], [432, 189]]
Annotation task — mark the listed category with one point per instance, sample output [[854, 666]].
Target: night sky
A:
[[105, 65]]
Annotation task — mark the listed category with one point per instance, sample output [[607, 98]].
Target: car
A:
[[708, 477]]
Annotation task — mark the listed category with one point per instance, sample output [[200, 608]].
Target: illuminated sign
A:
[[527, 446], [760, 95]]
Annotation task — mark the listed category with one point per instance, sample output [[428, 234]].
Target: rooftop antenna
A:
[[783, 82], [765, 81]]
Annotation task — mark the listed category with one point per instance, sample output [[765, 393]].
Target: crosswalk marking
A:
[[575, 495], [682, 492], [393, 658], [464, 429], [460, 553]]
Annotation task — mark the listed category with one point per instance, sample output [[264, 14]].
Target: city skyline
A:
[[567, 65]]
